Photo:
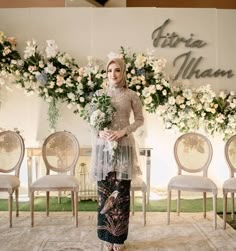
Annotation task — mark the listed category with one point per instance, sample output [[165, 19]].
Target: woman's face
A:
[[114, 74]]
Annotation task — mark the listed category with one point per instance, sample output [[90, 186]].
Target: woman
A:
[[114, 173]]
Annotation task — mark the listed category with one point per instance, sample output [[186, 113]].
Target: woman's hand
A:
[[115, 135], [112, 135], [104, 134]]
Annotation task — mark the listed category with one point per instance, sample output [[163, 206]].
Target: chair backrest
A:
[[12, 151], [230, 154], [193, 153], [61, 152]]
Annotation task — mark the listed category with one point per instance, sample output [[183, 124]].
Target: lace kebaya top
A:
[[125, 163]]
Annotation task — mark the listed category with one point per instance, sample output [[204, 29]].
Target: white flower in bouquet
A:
[[97, 118], [99, 113]]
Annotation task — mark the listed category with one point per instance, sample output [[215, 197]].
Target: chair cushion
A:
[[55, 181], [9, 181], [230, 185], [192, 183], [138, 184]]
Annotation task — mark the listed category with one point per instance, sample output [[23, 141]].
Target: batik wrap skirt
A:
[[113, 209]]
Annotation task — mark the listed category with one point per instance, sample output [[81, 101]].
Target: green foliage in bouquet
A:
[[99, 112]]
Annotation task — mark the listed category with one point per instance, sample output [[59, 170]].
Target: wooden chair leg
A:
[[132, 201], [232, 203], [10, 208], [178, 202], [17, 201], [204, 205], [224, 208], [168, 207], [47, 203], [73, 203], [76, 208], [214, 211], [32, 208], [144, 208]]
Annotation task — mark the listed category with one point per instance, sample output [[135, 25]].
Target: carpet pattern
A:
[[187, 232]]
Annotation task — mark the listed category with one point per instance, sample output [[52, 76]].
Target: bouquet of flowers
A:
[[99, 113], [145, 76]]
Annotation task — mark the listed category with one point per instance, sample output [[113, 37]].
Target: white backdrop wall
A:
[[88, 31]]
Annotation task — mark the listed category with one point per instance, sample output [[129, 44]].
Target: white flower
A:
[[140, 61], [112, 55], [50, 68], [30, 49], [71, 96], [171, 100], [164, 92], [159, 87], [148, 100], [222, 95], [146, 93], [51, 49], [159, 65], [232, 105], [152, 89]]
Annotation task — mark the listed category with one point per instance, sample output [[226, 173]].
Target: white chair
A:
[[139, 185], [229, 186], [12, 151], [193, 154], [60, 153]]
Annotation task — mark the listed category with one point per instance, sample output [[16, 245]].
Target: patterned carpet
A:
[[187, 232]]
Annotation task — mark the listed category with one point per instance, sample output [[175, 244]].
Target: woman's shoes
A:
[[108, 246], [118, 247]]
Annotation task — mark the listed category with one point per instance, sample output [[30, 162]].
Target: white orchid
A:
[[51, 49]]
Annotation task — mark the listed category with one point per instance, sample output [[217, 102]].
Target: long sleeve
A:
[[138, 114]]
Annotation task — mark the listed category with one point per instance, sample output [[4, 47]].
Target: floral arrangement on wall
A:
[[55, 76], [9, 57], [146, 76]]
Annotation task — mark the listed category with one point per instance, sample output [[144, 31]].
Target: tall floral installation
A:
[[55, 76]]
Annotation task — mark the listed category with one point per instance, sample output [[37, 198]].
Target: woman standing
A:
[[114, 172]]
